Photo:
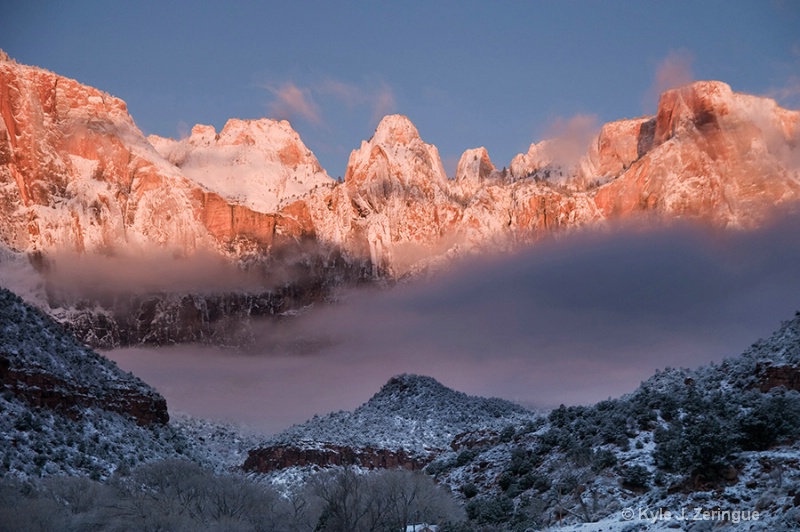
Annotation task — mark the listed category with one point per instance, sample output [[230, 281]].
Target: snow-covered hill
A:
[[410, 412], [721, 438]]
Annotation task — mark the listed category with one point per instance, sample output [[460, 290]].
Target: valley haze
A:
[[572, 320]]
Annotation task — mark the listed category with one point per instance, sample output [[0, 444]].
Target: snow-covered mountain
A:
[[261, 164], [727, 158], [78, 177]]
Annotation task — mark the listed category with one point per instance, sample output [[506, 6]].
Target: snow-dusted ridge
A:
[[79, 177], [67, 410]]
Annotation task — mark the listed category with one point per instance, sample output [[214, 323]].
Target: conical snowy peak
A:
[[398, 196], [408, 386], [420, 412], [395, 129], [395, 150]]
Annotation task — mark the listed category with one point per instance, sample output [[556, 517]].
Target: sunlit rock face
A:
[[616, 147], [474, 168], [77, 174], [727, 158]]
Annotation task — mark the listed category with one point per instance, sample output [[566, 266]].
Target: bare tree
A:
[[385, 500]]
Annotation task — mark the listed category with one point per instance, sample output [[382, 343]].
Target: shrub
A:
[[635, 477]]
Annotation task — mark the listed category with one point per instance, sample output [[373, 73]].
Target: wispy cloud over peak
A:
[[384, 102], [788, 94], [291, 101], [569, 138], [673, 71]]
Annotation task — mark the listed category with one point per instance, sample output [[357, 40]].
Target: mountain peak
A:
[[699, 104], [409, 384], [261, 163], [201, 130], [474, 165], [395, 129]]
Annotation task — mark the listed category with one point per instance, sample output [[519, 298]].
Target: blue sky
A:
[[495, 74]]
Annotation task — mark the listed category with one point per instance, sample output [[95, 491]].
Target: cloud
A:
[[183, 129], [383, 102], [782, 143], [569, 139], [379, 98], [788, 95], [673, 71], [347, 93], [292, 101], [572, 320], [72, 277]]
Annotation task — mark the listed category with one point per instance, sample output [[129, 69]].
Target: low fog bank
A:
[[573, 320], [75, 276]]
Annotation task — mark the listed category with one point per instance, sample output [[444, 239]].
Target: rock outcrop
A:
[[774, 376], [275, 458], [474, 167], [42, 389]]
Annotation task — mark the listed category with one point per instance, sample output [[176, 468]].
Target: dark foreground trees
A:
[[180, 495]]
